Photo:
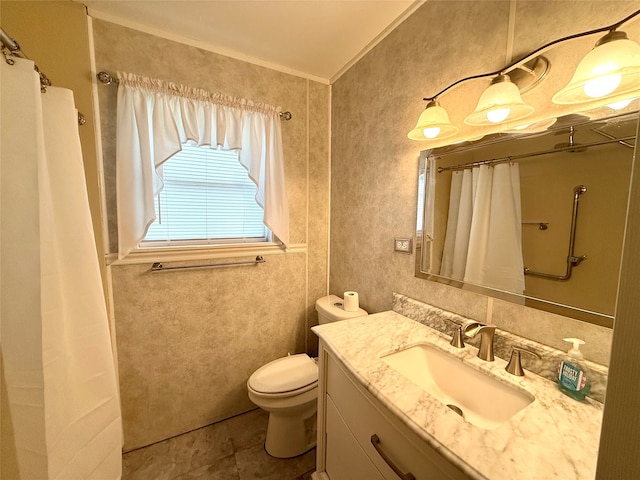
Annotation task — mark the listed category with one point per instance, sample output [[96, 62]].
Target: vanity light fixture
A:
[[611, 72], [433, 122], [501, 99], [611, 69], [500, 102]]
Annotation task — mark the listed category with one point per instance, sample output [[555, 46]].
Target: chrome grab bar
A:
[[572, 259]]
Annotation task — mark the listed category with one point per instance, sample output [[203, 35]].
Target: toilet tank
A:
[[330, 309]]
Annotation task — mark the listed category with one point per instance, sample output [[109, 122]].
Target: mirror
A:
[[574, 181]]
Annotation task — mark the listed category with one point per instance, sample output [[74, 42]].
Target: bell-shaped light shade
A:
[[610, 70], [500, 102], [433, 123]]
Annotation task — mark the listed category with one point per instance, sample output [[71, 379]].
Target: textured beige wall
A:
[[188, 341], [374, 165]]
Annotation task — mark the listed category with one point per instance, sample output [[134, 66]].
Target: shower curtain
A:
[[61, 412], [483, 242]]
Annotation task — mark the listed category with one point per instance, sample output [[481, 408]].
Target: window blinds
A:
[[207, 198]]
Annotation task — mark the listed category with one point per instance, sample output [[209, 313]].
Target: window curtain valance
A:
[[156, 117]]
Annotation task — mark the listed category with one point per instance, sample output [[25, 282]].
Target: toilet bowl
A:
[[287, 388]]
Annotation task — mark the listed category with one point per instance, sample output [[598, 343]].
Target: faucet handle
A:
[[514, 367], [456, 340]]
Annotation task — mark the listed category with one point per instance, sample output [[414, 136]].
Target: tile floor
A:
[[228, 450]]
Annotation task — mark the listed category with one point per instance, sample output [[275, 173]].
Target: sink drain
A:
[[456, 409]]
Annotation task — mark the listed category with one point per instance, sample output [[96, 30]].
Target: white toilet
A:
[[287, 388]]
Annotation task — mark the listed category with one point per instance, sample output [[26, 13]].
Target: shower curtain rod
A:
[[9, 42], [107, 79], [11, 47], [515, 158]]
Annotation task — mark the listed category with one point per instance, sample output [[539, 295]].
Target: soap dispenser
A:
[[574, 379]]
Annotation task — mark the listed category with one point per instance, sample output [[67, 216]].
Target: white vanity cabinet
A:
[[360, 439]]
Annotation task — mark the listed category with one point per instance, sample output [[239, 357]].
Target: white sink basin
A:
[[484, 401]]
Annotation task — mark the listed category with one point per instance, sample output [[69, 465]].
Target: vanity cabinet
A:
[[359, 438]]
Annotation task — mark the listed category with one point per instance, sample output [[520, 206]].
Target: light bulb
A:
[[498, 115], [621, 104], [604, 85], [431, 132], [599, 87]]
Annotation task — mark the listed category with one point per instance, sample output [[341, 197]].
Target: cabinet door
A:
[[345, 460], [367, 420]]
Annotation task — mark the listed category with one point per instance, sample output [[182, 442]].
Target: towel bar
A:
[[158, 267]]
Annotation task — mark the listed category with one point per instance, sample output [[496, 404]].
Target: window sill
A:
[[178, 254]]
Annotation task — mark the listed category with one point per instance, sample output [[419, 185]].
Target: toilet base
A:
[[290, 436], [292, 413]]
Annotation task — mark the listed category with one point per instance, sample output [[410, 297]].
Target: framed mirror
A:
[[537, 219]]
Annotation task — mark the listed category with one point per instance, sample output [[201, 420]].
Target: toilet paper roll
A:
[[351, 303]]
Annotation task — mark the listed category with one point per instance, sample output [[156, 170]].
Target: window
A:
[[207, 198], [154, 118]]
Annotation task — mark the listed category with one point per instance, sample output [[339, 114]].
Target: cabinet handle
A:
[[375, 441]]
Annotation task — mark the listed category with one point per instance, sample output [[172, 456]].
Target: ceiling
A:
[[316, 39]]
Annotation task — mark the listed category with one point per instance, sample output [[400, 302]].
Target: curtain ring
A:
[[7, 56]]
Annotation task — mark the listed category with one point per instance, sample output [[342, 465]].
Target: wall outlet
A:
[[403, 245]]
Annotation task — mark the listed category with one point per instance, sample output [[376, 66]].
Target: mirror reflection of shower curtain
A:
[[62, 409], [483, 242]]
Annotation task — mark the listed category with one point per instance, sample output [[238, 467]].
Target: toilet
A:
[[287, 388]]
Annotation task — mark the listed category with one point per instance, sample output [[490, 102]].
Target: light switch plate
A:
[[403, 245]]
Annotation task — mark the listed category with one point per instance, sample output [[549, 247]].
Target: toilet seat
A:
[[285, 376]]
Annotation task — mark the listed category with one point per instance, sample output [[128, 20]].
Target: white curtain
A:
[[62, 419], [483, 243], [155, 118]]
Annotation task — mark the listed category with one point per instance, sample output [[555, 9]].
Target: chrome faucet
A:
[[485, 351]]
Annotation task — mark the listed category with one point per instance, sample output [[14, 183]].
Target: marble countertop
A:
[[553, 437]]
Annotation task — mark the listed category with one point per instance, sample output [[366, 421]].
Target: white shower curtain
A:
[[483, 243], [62, 416], [456, 244]]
